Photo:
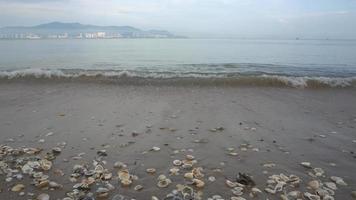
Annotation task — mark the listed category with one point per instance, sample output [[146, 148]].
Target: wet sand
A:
[[284, 126]]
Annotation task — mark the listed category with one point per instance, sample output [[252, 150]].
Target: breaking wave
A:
[[179, 78]]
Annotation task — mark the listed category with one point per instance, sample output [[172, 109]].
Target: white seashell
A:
[[151, 170], [269, 190], [155, 149], [338, 180], [294, 194], [311, 196], [198, 183], [138, 187], [189, 157], [331, 185], [212, 178], [238, 191], [353, 194], [43, 197], [314, 185], [177, 162], [18, 188], [237, 198], [174, 171]]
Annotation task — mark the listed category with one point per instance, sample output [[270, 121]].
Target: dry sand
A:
[[285, 125]]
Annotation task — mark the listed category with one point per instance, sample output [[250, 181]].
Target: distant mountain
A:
[[77, 30]]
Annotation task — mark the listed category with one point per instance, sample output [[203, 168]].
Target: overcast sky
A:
[[201, 18]]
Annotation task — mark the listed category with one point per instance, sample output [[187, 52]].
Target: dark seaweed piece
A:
[[245, 179]]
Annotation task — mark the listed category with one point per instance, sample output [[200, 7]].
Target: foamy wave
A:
[[134, 77], [303, 82]]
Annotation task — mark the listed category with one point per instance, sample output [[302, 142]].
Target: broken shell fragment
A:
[[18, 188], [163, 181], [155, 149], [45, 164], [43, 197], [126, 182], [151, 170], [174, 171], [189, 175], [198, 183], [314, 185], [311, 196], [138, 187], [189, 157], [177, 162], [338, 180]]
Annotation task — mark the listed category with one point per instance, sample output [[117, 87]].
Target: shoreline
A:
[[272, 129]]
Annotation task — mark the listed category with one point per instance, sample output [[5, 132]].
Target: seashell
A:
[[238, 191], [43, 197], [311, 196], [151, 170], [174, 171], [189, 175], [197, 172], [187, 166], [328, 197], [18, 188], [331, 185], [269, 165], [102, 190], [43, 184], [50, 156], [55, 185], [56, 150], [237, 198], [124, 174], [162, 183], [126, 182], [306, 164], [99, 169], [294, 194], [103, 195], [107, 176], [155, 149], [109, 186], [32, 151], [243, 149], [177, 162], [89, 173], [231, 184], [338, 180], [322, 192], [37, 175], [318, 171], [353, 193], [279, 186], [198, 183], [189, 157], [212, 178], [138, 187], [154, 198], [120, 165], [26, 169], [45, 164], [255, 190], [161, 177], [233, 153], [269, 190]]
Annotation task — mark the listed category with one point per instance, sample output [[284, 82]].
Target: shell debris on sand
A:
[[94, 180]]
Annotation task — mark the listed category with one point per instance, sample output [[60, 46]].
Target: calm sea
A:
[[173, 58]]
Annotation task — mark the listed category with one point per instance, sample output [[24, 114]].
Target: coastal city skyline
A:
[[196, 18]]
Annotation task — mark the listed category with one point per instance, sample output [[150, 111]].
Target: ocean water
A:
[[298, 63]]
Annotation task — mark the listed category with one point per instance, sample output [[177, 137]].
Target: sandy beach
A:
[[260, 131]]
